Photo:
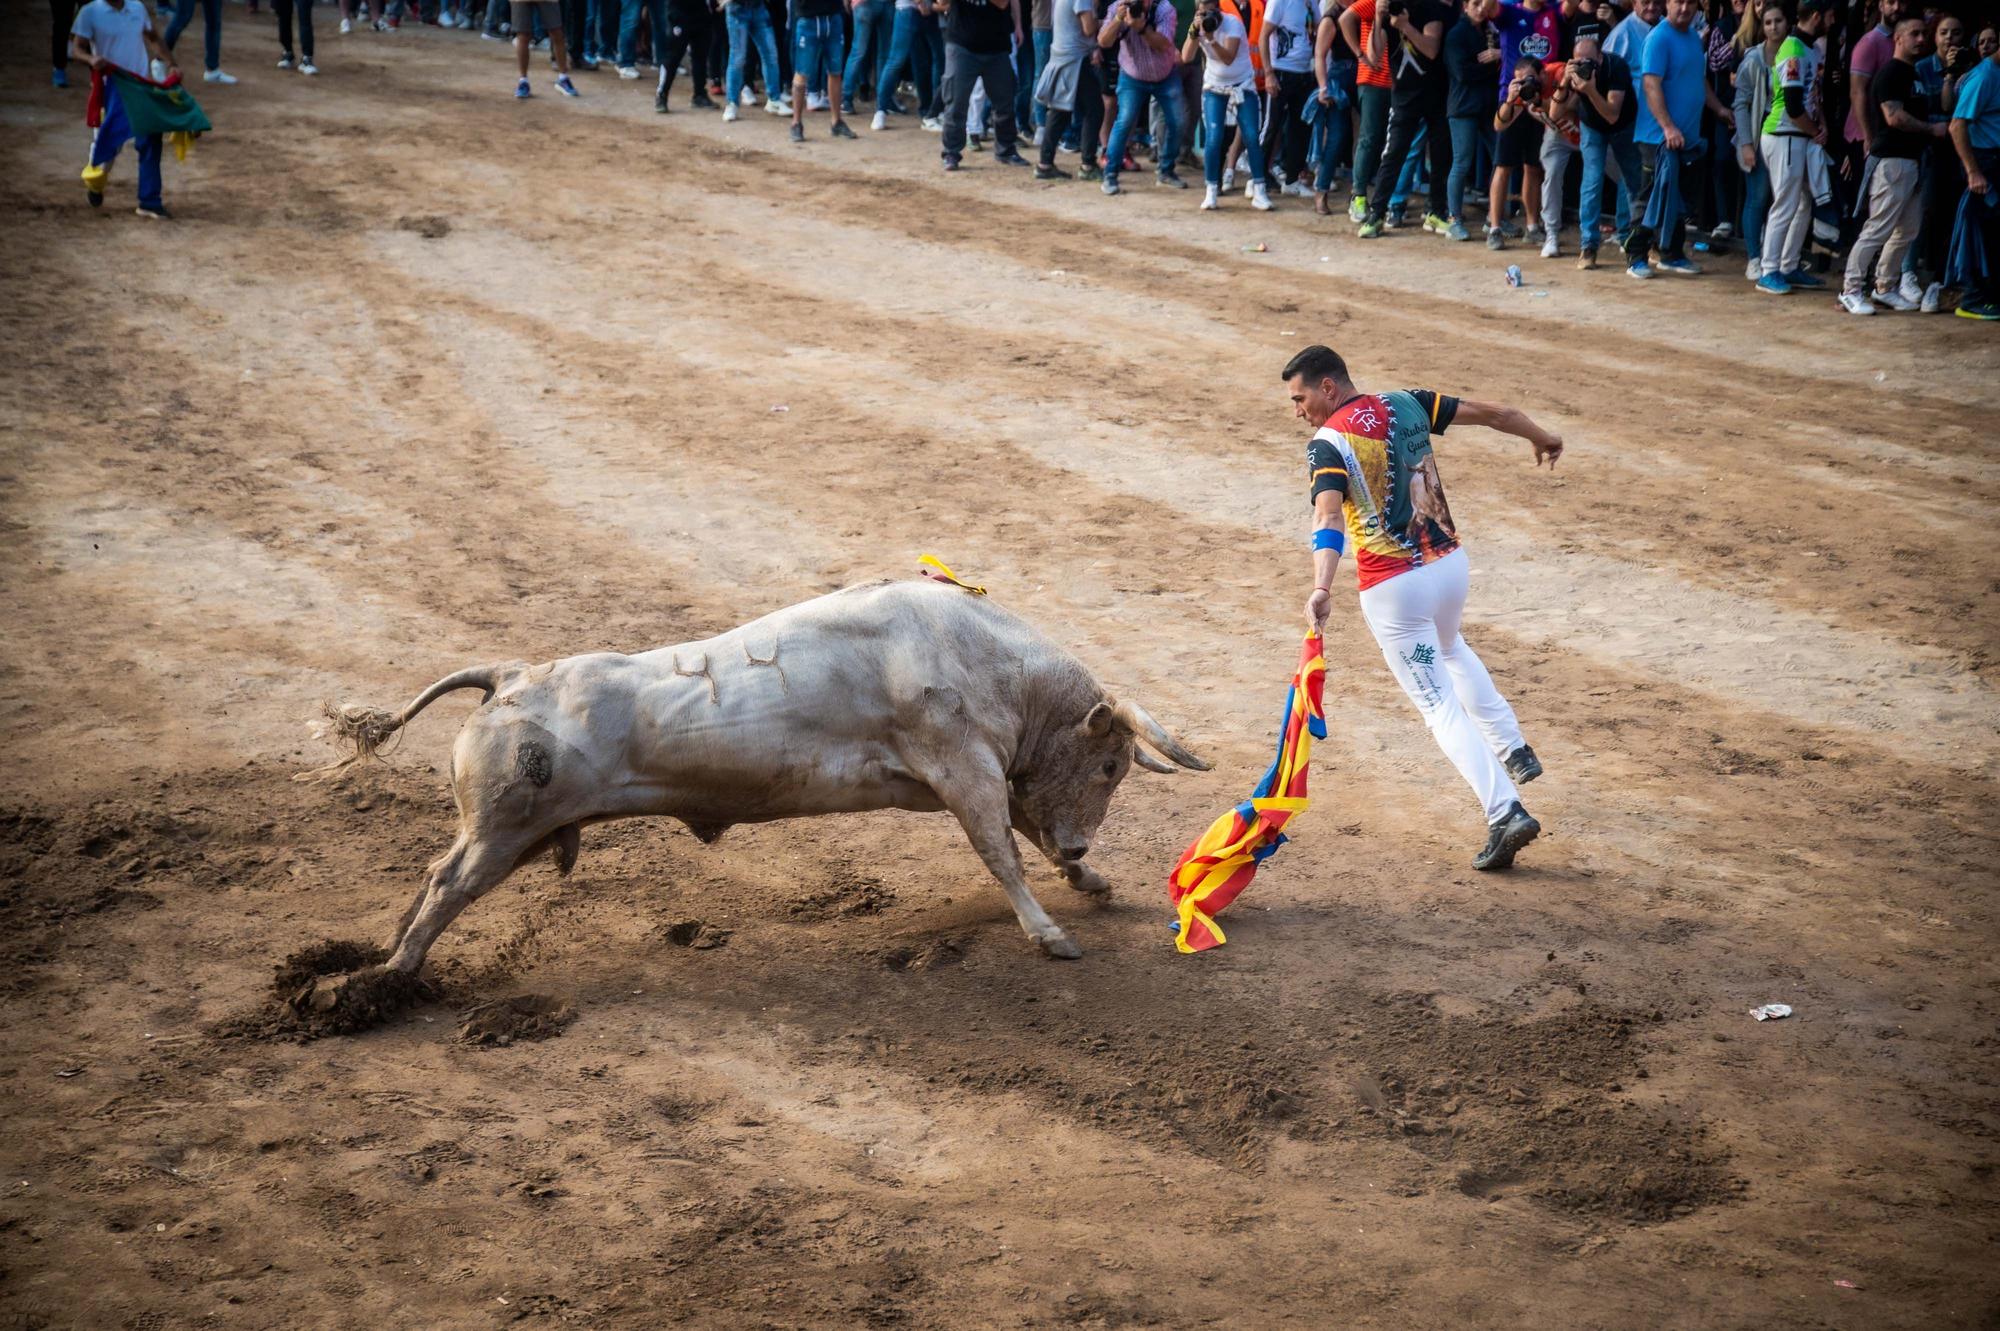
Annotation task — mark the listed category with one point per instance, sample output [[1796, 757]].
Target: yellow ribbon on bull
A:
[[940, 573]]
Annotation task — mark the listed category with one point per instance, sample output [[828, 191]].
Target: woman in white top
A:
[[1228, 98]]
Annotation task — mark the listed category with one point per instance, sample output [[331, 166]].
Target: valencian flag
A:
[[1223, 860], [150, 108]]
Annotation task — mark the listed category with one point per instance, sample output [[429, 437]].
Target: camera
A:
[[1388, 9], [1585, 70], [1210, 20], [1527, 84], [1137, 13]]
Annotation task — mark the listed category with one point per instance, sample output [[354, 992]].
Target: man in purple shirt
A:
[[1142, 32], [1875, 49]]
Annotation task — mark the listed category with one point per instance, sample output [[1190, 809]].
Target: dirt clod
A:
[[697, 934], [522, 1017]]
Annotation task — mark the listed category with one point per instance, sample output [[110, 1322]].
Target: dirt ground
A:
[[422, 378]]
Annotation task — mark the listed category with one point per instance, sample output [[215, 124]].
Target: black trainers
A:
[[950, 162], [701, 101], [1523, 765], [157, 213], [1168, 180], [798, 132], [660, 105], [1506, 837], [840, 130], [1050, 172]]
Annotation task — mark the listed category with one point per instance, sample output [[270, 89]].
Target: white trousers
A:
[[1789, 222], [1895, 214], [1414, 616]]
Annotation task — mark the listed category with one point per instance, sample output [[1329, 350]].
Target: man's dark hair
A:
[[1316, 363]]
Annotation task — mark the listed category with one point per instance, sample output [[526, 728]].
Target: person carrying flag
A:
[[1375, 485], [119, 35]]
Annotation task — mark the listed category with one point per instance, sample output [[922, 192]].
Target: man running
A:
[[1375, 483]]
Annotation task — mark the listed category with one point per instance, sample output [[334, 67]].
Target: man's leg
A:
[[1909, 208], [148, 147], [1368, 145], [765, 36], [62, 13], [1556, 152], [998, 71], [1624, 152], [1590, 199], [1249, 117], [112, 133], [183, 15], [1640, 242], [1443, 154], [628, 34], [1044, 40], [865, 13], [1469, 680], [1673, 245], [1874, 232], [1090, 112], [960, 72], [1131, 96], [739, 54], [1403, 121], [283, 9]]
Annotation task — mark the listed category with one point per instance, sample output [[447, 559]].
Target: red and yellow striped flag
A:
[[1223, 860]]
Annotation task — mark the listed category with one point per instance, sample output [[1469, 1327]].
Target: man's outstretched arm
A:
[[1329, 536], [1511, 420]]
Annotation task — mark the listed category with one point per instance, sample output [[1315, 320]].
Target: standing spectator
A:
[[1600, 86], [1975, 135], [1559, 136], [118, 34], [1895, 208], [1142, 32], [1628, 38], [211, 36], [1372, 84], [916, 51], [1530, 37], [1751, 104], [1727, 21], [1333, 104], [304, 12], [1676, 90], [688, 24], [1416, 101], [1871, 53], [526, 13], [1288, 55], [1472, 63], [1792, 127], [1944, 180], [749, 24], [873, 21], [1041, 36], [1228, 83], [979, 40], [1069, 88], [628, 32], [816, 56]]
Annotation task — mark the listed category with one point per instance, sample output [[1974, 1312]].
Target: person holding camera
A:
[[1142, 32], [1228, 96], [1518, 124], [979, 41], [1409, 34], [1599, 88]]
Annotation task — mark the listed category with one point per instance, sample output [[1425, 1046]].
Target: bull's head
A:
[[1079, 766]]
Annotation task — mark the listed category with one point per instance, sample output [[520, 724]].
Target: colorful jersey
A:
[[1797, 66], [1376, 451]]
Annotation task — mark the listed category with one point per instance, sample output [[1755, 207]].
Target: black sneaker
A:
[[950, 162], [158, 213], [1523, 765], [660, 105], [1050, 172], [1168, 180], [798, 132], [1010, 157], [95, 199], [701, 101], [1506, 837], [840, 130]]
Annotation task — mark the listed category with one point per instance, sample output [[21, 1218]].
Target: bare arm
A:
[[1656, 98], [1857, 97], [1894, 114], [1323, 36], [1511, 420], [1350, 31], [1961, 139], [1112, 31], [1326, 556], [1429, 39]]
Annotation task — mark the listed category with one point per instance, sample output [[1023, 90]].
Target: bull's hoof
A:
[[342, 1004], [1060, 946]]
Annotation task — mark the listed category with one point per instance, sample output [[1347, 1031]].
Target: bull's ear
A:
[[1098, 722]]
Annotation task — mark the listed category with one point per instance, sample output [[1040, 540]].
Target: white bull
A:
[[898, 695]]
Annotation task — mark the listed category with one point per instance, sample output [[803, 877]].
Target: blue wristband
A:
[[1329, 538]]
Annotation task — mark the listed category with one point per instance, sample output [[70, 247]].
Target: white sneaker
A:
[[285, 62], [1753, 270], [1911, 290], [815, 101], [1208, 200], [346, 26], [931, 123], [1933, 297], [216, 76], [308, 68], [1552, 247], [1228, 179], [747, 97], [1259, 199], [1855, 303], [777, 108], [729, 112], [158, 69], [1297, 189], [1900, 299], [628, 71], [880, 121], [1040, 130]]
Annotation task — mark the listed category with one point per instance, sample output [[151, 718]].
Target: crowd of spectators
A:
[[1844, 144]]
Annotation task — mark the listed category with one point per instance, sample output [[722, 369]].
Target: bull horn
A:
[[1144, 757], [1135, 719]]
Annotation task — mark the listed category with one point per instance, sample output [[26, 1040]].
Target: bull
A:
[[893, 695]]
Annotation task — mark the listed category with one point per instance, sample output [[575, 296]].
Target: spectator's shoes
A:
[[879, 122], [158, 212], [59, 78], [772, 106], [729, 111], [1552, 247], [1753, 270], [1774, 284], [1505, 839], [1799, 277], [628, 71], [1512, 230], [1050, 172], [1898, 299], [1680, 267], [1984, 310], [1495, 238], [701, 101], [842, 130], [1912, 290], [216, 76], [931, 123], [1854, 302], [747, 98], [286, 62], [816, 101], [1639, 269], [1396, 219], [890, 106], [1260, 198], [1011, 157], [1723, 231], [1357, 209], [587, 63], [1298, 189], [847, 107], [951, 161], [1369, 230], [1168, 180], [1208, 200], [1523, 765], [1111, 184], [798, 132], [1457, 231], [568, 89], [308, 68], [522, 91], [660, 103], [1586, 261], [1933, 297], [347, 26], [1436, 225], [1534, 231], [1090, 173]]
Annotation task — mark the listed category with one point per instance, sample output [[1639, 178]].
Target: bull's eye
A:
[[1111, 768]]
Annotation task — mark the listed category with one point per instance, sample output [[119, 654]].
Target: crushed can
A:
[[1513, 274]]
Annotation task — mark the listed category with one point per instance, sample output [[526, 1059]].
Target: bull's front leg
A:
[[1080, 875], [982, 812]]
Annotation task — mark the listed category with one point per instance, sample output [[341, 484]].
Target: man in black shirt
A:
[[1895, 206], [1416, 98], [1472, 69], [979, 37], [1597, 88]]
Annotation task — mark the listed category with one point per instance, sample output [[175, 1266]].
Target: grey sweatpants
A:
[[962, 69], [1895, 215], [1789, 222]]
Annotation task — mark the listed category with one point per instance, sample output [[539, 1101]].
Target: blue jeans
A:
[[873, 21], [903, 60], [1044, 42], [1216, 136], [1467, 133], [1756, 204], [1333, 127], [1132, 95], [1406, 179], [211, 29], [628, 29], [816, 50], [750, 22], [1590, 201], [114, 131], [1024, 87]]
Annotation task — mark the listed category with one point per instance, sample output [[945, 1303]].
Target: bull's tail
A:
[[366, 729]]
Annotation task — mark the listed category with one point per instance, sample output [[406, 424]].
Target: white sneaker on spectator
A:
[[815, 101], [308, 67], [1753, 270], [1551, 248], [777, 108], [729, 111], [1209, 203], [1228, 179], [1298, 189], [346, 26], [1933, 297], [1855, 303], [931, 123], [1899, 299], [1911, 290], [1259, 200], [628, 71], [881, 120], [748, 97], [286, 62], [216, 76]]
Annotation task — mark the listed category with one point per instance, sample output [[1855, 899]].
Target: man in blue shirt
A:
[[1669, 138], [1975, 133]]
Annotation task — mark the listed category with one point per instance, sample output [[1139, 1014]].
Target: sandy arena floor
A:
[[423, 378]]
